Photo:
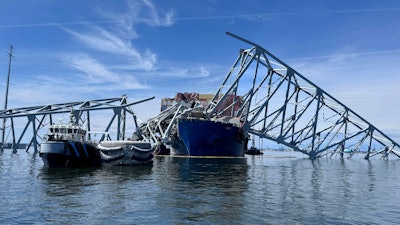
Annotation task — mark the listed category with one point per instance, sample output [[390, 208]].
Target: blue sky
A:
[[80, 50]]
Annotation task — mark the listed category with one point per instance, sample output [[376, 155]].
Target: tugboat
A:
[[253, 150], [65, 145]]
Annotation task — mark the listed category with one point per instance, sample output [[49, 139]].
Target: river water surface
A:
[[268, 189]]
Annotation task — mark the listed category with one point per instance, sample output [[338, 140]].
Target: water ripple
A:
[[251, 190]]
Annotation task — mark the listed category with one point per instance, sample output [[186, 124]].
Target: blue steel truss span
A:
[[35, 117], [280, 104]]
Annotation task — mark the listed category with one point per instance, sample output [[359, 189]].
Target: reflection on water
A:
[[268, 189], [324, 191], [198, 189]]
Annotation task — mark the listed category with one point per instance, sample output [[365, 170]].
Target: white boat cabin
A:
[[68, 132]]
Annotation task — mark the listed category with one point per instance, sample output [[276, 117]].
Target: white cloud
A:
[[341, 58], [96, 72], [138, 12], [99, 74], [117, 39], [121, 61], [102, 40], [194, 72], [145, 12]]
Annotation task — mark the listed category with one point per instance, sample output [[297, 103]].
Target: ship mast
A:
[[6, 97]]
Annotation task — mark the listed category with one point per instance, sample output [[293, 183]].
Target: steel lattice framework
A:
[[280, 104], [39, 116]]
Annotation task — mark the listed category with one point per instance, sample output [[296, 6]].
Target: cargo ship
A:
[[183, 127], [210, 138]]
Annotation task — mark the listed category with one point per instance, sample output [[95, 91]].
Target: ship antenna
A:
[[72, 119]]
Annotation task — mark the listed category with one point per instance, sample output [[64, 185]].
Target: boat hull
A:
[[208, 138], [126, 153], [56, 154]]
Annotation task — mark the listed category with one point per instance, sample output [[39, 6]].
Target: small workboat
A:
[[65, 145], [253, 150], [126, 152]]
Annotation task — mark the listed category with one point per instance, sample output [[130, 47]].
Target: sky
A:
[[66, 51]]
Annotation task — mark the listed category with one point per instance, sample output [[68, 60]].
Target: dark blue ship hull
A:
[[198, 137], [69, 154]]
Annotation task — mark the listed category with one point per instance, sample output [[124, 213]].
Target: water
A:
[[252, 190]]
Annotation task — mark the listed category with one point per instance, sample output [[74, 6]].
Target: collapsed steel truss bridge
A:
[[38, 117], [279, 104]]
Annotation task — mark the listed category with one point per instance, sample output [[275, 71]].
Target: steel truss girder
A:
[[36, 115], [280, 104], [160, 128]]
